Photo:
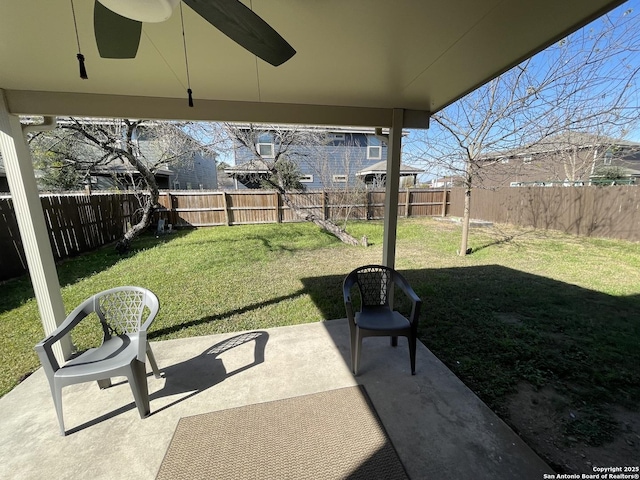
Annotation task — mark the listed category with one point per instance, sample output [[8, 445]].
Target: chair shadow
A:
[[193, 376]]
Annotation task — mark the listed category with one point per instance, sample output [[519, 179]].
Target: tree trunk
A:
[[466, 216], [150, 203], [326, 225], [124, 244]]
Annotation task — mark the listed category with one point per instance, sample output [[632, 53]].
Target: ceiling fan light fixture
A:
[[152, 11]]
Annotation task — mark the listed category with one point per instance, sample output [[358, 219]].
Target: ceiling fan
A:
[[118, 26]]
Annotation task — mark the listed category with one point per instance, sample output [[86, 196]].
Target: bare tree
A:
[[113, 145], [274, 151], [345, 192], [588, 82]]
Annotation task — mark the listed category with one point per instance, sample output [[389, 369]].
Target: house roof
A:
[[561, 142], [247, 168], [123, 169], [567, 140], [380, 168], [356, 61]]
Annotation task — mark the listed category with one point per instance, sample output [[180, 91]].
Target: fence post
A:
[[366, 205], [324, 205], [444, 202], [277, 207], [225, 205], [406, 207]]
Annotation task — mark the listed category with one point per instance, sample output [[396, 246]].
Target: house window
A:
[[340, 178], [265, 150], [176, 185], [607, 157], [374, 148], [306, 179]]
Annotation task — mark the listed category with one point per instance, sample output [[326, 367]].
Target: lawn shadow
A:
[[501, 241], [496, 327], [156, 333]]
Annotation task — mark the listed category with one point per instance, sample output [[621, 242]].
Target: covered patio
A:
[[387, 65], [439, 428]]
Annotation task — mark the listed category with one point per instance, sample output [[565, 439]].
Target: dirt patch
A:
[[539, 416]]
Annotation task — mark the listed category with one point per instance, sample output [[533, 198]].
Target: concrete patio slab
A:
[[438, 426]]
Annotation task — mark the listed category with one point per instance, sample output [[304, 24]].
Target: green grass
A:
[[538, 307]]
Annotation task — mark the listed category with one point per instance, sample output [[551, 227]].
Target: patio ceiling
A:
[[355, 60]]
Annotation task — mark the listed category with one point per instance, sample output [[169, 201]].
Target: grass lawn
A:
[[527, 310]]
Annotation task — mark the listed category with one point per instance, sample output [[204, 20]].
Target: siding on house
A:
[[333, 164], [195, 171], [200, 173]]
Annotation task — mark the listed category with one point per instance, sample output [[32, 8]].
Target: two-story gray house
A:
[[326, 157], [195, 170], [179, 162]]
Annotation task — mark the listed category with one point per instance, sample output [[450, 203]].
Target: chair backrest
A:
[[121, 310], [374, 283]]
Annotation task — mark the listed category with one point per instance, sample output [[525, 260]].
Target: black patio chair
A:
[[376, 316]]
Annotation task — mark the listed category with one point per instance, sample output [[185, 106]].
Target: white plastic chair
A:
[[122, 353]]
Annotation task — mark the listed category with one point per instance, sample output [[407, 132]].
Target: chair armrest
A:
[[152, 302], [347, 285], [44, 348], [416, 302]]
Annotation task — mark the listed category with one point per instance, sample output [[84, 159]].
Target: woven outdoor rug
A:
[[328, 435]]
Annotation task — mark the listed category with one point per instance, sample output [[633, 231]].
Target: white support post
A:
[[33, 230], [392, 186]]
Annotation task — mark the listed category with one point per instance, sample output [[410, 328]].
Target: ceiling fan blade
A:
[[243, 26], [116, 36]]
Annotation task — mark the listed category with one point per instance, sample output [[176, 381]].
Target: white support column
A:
[[392, 187], [33, 230]]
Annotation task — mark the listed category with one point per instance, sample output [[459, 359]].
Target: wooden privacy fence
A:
[[76, 223], [610, 212], [202, 209]]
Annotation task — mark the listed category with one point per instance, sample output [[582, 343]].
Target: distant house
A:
[[568, 159], [196, 171], [447, 182], [340, 156], [375, 175]]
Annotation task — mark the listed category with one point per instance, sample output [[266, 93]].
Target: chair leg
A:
[[57, 401], [412, 353], [152, 361], [394, 341], [357, 349], [104, 383], [138, 382]]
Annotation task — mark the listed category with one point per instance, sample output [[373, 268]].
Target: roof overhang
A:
[[356, 61], [380, 168]]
